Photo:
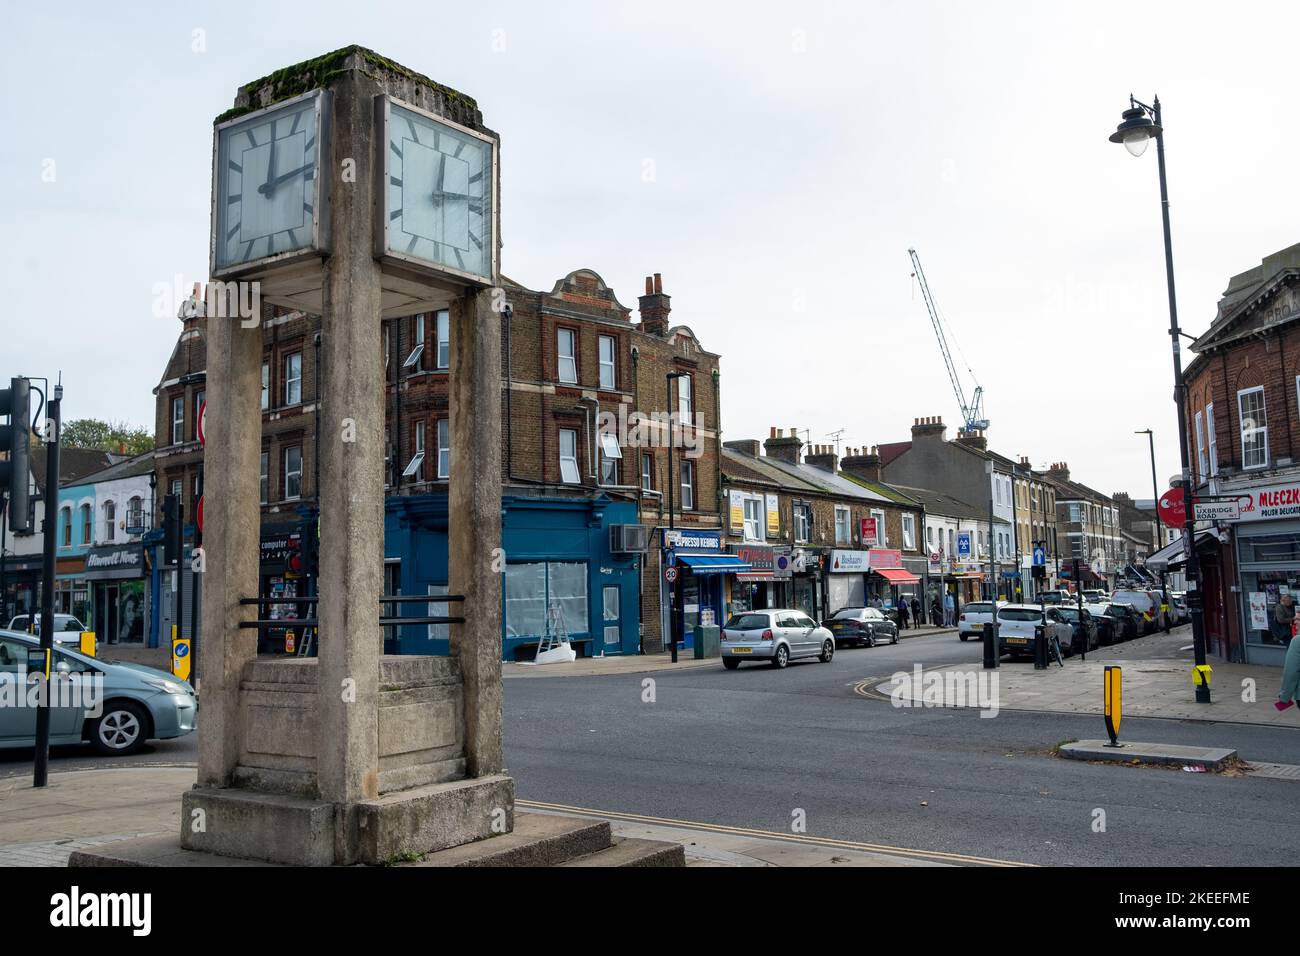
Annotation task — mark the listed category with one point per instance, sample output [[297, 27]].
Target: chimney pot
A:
[[659, 284], [771, 431]]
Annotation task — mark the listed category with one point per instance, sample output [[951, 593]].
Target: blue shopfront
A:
[[702, 581], [560, 574]]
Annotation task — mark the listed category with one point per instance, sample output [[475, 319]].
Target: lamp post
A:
[[1138, 125], [1160, 533], [674, 618]]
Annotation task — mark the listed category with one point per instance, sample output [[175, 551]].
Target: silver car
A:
[[776, 636], [131, 703], [1018, 623]]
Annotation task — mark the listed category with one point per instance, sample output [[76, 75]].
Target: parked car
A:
[[1055, 597], [973, 617], [136, 703], [1083, 628], [1146, 604], [1178, 603], [1093, 595], [1019, 623], [67, 629], [776, 636], [1127, 624], [861, 626]]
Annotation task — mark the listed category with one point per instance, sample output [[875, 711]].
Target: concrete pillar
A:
[[475, 566], [351, 467], [231, 537]]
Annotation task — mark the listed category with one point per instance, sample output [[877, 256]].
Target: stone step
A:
[[538, 839], [633, 852]]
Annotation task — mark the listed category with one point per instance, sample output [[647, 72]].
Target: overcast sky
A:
[[774, 161]]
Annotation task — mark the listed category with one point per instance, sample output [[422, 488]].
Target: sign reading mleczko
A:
[[1266, 504]]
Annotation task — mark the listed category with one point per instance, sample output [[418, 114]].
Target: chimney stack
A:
[[1059, 470], [746, 446], [654, 306], [861, 463], [784, 448], [824, 457], [973, 438], [929, 428]]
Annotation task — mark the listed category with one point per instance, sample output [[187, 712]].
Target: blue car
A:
[[114, 707]]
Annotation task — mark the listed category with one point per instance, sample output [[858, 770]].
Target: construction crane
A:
[[972, 411]]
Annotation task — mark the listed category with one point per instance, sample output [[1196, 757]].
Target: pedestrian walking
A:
[[1290, 677], [949, 609], [917, 619], [936, 612], [1282, 623], [902, 614]]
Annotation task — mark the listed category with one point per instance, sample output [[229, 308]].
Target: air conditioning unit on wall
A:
[[629, 538]]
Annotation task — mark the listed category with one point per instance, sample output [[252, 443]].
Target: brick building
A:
[[1244, 440]]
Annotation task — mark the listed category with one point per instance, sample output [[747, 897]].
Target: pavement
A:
[[1153, 686], [90, 808]]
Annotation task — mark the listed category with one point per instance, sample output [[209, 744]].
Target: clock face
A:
[[441, 194], [266, 196]]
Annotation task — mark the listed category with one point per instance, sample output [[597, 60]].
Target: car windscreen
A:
[[849, 614], [1019, 614], [747, 622], [979, 608]]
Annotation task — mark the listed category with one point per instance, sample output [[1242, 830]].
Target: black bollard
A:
[[990, 647]]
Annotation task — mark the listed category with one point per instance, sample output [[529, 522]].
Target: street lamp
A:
[[1139, 124], [1160, 533]]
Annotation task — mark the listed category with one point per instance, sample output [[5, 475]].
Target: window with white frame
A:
[[688, 485], [569, 472], [443, 327], [66, 515], [802, 514], [444, 448], [567, 356], [882, 539], [199, 398], [1211, 442], [610, 456], [843, 527], [929, 536], [1254, 427], [1202, 463], [87, 521], [293, 472], [607, 367], [178, 419], [261, 481], [415, 467], [415, 361], [755, 519], [110, 520], [647, 472], [685, 396], [610, 615], [266, 385], [909, 532], [293, 379]]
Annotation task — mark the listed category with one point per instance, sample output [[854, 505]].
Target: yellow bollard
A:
[[1113, 691], [1201, 675]]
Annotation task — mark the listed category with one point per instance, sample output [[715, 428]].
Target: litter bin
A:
[[708, 641]]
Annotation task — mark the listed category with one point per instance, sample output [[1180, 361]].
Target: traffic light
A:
[[170, 525], [16, 441]]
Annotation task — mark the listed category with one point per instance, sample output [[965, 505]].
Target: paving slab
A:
[[1165, 755]]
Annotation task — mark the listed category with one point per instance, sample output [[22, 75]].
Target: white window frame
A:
[[802, 519], [1256, 430], [292, 382], [110, 520], [566, 363], [570, 472], [685, 400], [909, 532], [66, 512], [844, 525], [266, 385], [263, 478], [178, 419], [755, 523], [610, 365], [647, 472], [444, 448], [1202, 465], [415, 467], [882, 538], [1211, 442], [610, 456], [290, 473], [88, 523], [442, 329], [688, 486]]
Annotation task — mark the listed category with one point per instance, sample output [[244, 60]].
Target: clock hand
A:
[[269, 187], [438, 193], [270, 167]]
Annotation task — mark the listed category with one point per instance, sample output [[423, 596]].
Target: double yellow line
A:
[[906, 852]]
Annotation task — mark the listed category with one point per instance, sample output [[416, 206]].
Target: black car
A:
[[1125, 622], [1086, 636], [861, 626]]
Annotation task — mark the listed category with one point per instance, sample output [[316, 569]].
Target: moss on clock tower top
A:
[[395, 79]]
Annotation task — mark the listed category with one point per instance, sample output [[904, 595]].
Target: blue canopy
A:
[[714, 563]]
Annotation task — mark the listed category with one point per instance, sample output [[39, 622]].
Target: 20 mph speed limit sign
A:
[[670, 574]]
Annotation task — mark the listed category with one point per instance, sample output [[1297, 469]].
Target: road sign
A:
[[1173, 507], [1217, 510], [670, 574], [180, 655], [963, 544], [1040, 556]]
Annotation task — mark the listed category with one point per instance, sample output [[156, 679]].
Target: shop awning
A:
[[715, 564], [896, 575], [758, 577], [1171, 556]]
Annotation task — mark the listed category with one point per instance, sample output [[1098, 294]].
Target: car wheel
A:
[[781, 657], [895, 640], [730, 663], [828, 652], [119, 730], [964, 636]]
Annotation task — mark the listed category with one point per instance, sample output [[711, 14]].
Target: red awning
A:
[[896, 575]]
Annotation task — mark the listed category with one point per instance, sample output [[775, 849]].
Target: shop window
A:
[[532, 590], [1254, 427], [567, 357], [569, 473], [610, 615]]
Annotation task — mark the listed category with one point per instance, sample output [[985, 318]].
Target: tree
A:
[[116, 437]]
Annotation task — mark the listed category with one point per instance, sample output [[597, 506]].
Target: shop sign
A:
[[115, 562], [1267, 504], [782, 564], [850, 562], [277, 548], [870, 530], [884, 558], [687, 541], [759, 557]]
